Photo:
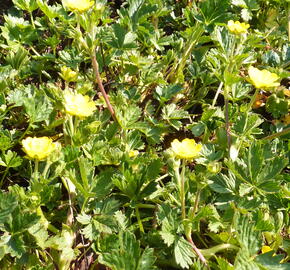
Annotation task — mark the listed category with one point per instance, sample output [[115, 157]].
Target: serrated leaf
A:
[[224, 264], [222, 184], [128, 256], [250, 239], [121, 220], [8, 204], [183, 252], [167, 237], [83, 219], [173, 115]]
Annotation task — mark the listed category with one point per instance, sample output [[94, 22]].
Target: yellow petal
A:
[[78, 5], [187, 149], [78, 105], [266, 249], [263, 78], [237, 27], [38, 148]]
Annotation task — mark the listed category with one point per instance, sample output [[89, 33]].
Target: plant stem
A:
[[31, 19], [182, 192], [139, 220], [142, 205], [47, 165], [36, 163], [100, 84], [196, 202], [228, 132], [253, 99], [212, 251], [196, 250], [288, 21], [278, 134], [4, 176], [217, 94]]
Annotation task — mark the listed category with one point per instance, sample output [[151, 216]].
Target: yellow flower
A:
[[68, 74], [78, 5], [266, 249], [186, 149], [38, 148], [78, 105], [237, 27], [133, 153], [263, 78]]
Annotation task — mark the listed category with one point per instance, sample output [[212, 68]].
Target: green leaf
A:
[[29, 5], [50, 11], [15, 246], [273, 168], [255, 160], [165, 93], [173, 115], [17, 59], [198, 129], [270, 261], [249, 238], [122, 39], [128, 116], [40, 234], [38, 108], [224, 264], [222, 184], [167, 237], [102, 184], [213, 11], [277, 106], [168, 218], [244, 262], [6, 140], [128, 255], [8, 203], [183, 252], [10, 159]]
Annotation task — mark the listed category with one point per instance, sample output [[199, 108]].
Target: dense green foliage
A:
[[112, 192]]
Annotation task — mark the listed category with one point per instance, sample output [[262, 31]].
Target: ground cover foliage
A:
[[144, 134]]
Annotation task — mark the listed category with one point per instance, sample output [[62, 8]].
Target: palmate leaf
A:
[[223, 184], [173, 115], [164, 93], [10, 159], [213, 11], [122, 39], [127, 116], [257, 169], [128, 255]]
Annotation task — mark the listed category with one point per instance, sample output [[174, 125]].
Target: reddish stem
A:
[[196, 250], [100, 84]]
